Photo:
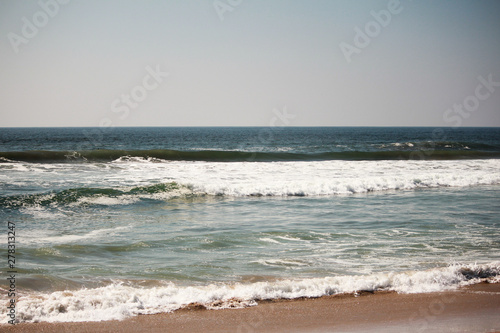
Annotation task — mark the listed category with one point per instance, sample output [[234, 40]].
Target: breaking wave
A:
[[96, 196], [120, 300], [242, 179]]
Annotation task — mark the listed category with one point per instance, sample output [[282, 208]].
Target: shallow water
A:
[[105, 239]]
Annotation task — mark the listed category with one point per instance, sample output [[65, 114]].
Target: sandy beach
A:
[[470, 309]]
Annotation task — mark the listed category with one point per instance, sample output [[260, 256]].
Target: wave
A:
[[440, 145], [158, 155], [240, 179], [120, 300], [96, 196]]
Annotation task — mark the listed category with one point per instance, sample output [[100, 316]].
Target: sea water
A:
[[145, 220]]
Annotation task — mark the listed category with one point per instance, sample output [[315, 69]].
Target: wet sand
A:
[[470, 309]]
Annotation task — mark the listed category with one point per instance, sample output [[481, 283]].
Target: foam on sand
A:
[[121, 300]]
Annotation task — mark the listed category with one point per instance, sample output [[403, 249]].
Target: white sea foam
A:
[[127, 199], [315, 178], [41, 212], [118, 301], [282, 262], [106, 200], [329, 177], [63, 239], [293, 239], [136, 159], [269, 240]]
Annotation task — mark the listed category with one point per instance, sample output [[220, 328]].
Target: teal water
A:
[[203, 240], [142, 234]]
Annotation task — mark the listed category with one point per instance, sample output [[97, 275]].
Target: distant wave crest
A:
[[438, 151]]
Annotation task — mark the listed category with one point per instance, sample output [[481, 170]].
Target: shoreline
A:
[[474, 308]]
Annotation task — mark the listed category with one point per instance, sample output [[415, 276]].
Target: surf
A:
[[105, 155]]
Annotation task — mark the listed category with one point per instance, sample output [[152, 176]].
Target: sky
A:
[[249, 63]]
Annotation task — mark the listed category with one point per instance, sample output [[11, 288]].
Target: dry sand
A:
[[471, 309]]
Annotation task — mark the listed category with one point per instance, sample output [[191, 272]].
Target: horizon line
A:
[[253, 126]]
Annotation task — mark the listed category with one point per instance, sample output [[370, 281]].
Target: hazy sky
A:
[[232, 62]]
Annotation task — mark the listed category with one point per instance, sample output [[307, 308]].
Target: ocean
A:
[[113, 223]]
